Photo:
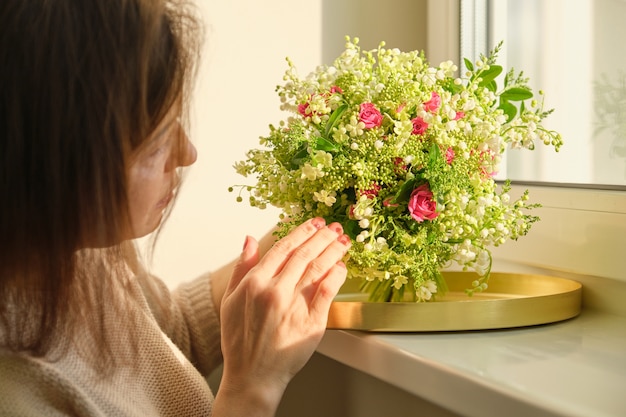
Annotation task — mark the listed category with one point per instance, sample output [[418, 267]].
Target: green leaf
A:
[[404, 192], [509, 109], [468, 64], [516, 94], [322, 144], [492, 86], [434, 156], [507, 78], [299, 157], [452, 87], [334, 118], [411, 225], [352, 228], [490, 75]]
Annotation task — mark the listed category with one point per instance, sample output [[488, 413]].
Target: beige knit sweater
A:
[[179, 342]]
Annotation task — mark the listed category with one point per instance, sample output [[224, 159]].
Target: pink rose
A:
[[421, 204], [302, 109], [370, 115], [459, 115], [334, 89], [449, 155], [433, 104], [419, 126]]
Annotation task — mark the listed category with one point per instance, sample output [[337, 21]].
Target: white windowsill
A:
[[575, 368]]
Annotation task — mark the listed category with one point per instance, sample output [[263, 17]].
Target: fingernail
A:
[[245, 243], [336, 227], [345, 239], [318, 222]]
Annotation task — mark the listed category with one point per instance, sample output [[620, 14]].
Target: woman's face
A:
[[153, 175]]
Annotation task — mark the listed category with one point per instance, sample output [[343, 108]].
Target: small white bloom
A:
[[340, 134], [325, 197], [310, 172], [323, 158], [426, 291], [469, 105], [399, 281], [355, 127]]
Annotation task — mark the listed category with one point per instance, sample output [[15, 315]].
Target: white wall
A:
[[243, 61]]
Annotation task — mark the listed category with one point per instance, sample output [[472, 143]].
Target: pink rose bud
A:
[[419, 126], [433, 104], [302, 109], [370, 115], [421, 204], [449, 155]]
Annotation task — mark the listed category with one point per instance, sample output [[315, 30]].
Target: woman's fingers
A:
[[318, 268], [307, 253], [248, 259], [275, 309], [275, 259], [326, 290]]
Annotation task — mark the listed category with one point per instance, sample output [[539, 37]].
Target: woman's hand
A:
[[274, 313]]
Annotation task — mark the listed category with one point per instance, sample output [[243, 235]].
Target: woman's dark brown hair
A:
[[82, 84]]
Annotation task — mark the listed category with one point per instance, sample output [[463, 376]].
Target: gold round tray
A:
[[511, 300]]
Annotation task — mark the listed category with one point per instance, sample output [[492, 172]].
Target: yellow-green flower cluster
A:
[[403, 155]]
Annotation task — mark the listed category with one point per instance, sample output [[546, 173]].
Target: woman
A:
[[94, 95]]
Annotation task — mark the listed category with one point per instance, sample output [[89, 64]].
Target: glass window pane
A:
[[572, 50]]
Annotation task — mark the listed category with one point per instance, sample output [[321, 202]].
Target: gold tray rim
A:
[[511, 300]]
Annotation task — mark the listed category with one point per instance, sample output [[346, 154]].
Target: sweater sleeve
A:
[[188, 317]]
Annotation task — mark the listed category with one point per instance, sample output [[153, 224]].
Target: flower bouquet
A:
[[403, 155]]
